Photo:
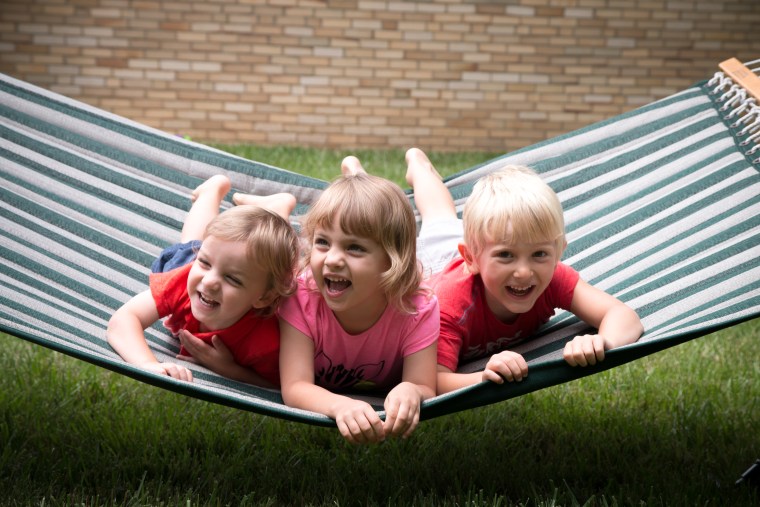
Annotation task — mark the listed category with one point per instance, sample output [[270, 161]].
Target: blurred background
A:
[[446, 75]]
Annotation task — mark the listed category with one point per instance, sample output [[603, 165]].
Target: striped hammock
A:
[[662, 208]]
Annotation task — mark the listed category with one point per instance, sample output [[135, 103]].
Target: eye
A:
[[321, 242], [203, 262], [541, 254], [355, 247], [503, 254], [234, 280]]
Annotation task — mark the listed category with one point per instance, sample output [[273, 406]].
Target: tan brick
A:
[[424, 72]]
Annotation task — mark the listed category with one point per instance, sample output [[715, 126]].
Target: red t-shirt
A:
[[470, 330], [254, 341]]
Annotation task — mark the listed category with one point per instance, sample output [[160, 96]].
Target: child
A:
[[222, 291], [509, 278], [359, 319]]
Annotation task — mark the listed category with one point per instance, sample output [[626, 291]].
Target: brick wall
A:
[[441, 74]]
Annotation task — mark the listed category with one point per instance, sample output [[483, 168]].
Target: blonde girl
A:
[[359, 320]]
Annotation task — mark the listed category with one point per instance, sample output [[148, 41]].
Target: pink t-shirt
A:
[[470, 330], [372, 360]]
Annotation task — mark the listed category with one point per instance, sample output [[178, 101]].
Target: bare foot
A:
[[351, 166], [217, 186], [282, 203], [417, 161]]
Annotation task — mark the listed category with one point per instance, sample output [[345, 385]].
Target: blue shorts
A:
[[438, 244], [175, 256]]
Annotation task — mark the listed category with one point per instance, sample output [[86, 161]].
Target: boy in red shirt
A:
[[218, 289], [498, 276]]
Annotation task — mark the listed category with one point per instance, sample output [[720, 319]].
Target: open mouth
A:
[[520, 291], [206, 301], [335, 286]]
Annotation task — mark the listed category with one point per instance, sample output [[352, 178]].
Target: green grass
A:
[[674, 428], [325, 164]]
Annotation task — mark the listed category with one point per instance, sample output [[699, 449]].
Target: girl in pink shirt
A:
[[360, 320]]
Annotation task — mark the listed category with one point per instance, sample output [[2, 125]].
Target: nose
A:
[[211, 280], [522, 269], [334, 257]]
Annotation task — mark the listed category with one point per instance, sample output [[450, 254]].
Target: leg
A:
[[431, 196], [441, 230], [206, 200], [283, 203]]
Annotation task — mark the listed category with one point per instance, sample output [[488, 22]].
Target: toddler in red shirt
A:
[[218, 289]]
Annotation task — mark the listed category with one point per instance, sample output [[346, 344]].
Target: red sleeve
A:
[[169, 288], [562, 286]]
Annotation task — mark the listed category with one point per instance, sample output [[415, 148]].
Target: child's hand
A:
[[169, 369], [402, 410], [214, 357], [358, 422], [584, 350], [506, 365]]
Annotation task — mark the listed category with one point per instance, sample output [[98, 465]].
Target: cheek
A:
[[313, 256], [192, 279]]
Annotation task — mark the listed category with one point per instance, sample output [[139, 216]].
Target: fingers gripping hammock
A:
[[662, 207]]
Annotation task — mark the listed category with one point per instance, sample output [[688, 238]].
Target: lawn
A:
[[674, 428]]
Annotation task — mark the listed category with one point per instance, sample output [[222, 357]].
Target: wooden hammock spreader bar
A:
[[742, 76]]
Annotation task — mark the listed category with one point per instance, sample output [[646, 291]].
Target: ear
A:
[[564, 247], [469, 258], [266, 299]]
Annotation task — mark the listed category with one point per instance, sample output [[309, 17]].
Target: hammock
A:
[[661, 204]]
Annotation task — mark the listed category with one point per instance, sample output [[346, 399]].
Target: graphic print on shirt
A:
[[339, 377], [476, 351]]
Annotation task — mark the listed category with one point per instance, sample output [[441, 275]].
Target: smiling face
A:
[[348, 272], [225, 283], [514, 273]]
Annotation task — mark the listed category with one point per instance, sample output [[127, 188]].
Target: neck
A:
[[357, 322]]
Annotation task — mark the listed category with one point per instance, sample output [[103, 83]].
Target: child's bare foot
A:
[[351, 166], [417, 162], [216, 186], [283, 203]]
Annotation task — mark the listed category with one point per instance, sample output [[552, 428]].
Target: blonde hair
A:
[[375, 208], [513, 196], [271, 243]]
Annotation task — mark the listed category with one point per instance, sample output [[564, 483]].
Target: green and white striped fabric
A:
[[662, 208]]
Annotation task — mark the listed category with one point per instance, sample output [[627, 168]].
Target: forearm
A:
[[620, 326], [309, 396], [127, 338], [240, 373], [449, 381]]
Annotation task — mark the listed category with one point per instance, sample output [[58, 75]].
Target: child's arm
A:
[[357, 420], [126, 334], [218, 358], [448, 380], [505, 366], [616, 322], [418, 383]]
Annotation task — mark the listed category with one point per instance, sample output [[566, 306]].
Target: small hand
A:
[[402, 410], [214, 356], [506, 365], [584, 350], [169, 369], [358, 422]]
